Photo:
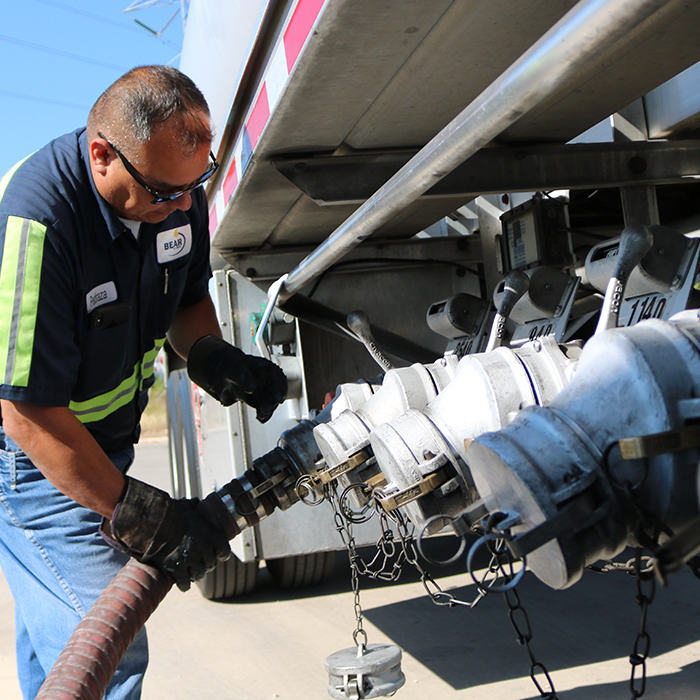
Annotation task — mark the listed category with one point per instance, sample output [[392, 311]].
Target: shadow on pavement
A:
[[595, 621], [683, 685]]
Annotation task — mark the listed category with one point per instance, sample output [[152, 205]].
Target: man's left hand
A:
[[229, 375]]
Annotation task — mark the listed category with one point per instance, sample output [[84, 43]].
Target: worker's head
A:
[[149, 137]]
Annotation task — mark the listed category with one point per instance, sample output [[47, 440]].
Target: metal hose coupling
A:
[[270, 483]]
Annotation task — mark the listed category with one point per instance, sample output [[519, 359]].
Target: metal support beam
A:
[[262, 266], [332, 180]]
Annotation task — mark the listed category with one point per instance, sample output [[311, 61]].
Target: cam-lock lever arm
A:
[[515, 286], [358, 323], [635, 243]]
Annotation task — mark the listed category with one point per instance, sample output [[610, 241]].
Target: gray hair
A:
[[135, 106]]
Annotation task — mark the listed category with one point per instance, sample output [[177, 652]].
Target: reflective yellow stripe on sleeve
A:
[[101, 406], [20, 278]]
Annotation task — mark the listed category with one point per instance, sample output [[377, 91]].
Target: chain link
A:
[[628, 567], [344, 528], [388, 562], [520, 621], [436, 594], [359, 618], [391, 554], [503, 566], [642, 643]]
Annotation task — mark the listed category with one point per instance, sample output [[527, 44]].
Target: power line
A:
[[75, 57], [92, 15], [47, 100], [100, 18]]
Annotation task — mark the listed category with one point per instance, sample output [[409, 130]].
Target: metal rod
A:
[[272, 294], [561, 53], [334, 321]]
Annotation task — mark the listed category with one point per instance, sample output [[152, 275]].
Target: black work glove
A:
[[172, 535], [229, 375]]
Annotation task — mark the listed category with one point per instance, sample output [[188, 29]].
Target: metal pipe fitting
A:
[[270, 483], [560, 473], [344, 441], [488, 390]]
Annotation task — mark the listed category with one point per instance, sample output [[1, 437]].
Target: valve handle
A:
[[635, 243], [515, 286], [358, 323]]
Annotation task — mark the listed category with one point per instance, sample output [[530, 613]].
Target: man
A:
[[105, 251]]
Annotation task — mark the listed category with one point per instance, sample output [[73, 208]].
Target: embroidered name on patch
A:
[[102, 294], [174, 243]]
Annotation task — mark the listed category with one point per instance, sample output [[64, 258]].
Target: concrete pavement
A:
[[273, 644]]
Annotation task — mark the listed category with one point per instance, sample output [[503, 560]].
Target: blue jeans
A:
[[56, 565]]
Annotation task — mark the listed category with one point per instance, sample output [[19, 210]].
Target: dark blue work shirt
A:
[[84, 306]]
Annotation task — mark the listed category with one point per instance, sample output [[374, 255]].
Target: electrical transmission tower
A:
[[182, 8]]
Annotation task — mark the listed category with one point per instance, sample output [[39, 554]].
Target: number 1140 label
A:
[[641, 308]]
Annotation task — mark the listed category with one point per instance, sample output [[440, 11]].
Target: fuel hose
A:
[[89, 660]]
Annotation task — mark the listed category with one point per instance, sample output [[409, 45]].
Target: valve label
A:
[[641, 308]]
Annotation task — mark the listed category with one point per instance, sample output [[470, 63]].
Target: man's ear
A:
[[101, 155]]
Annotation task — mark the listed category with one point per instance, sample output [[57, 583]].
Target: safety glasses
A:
[[161, 197]]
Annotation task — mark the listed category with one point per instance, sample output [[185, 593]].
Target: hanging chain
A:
[[523, 631], [503, 565], [391, 555], [359, 618], [642, 568], [645, 575], [642, 643], [388, 562], [344, 528], [436, 594]]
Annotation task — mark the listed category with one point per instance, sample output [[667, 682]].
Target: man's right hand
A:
[[169, 534]]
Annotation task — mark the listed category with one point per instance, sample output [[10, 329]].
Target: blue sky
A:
[[58, 57]]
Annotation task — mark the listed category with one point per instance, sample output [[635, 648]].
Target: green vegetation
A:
[[154, 422]]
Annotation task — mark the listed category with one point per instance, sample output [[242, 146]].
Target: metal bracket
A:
[[377, 481], [574, 517], [333, 180], [679, 549]]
